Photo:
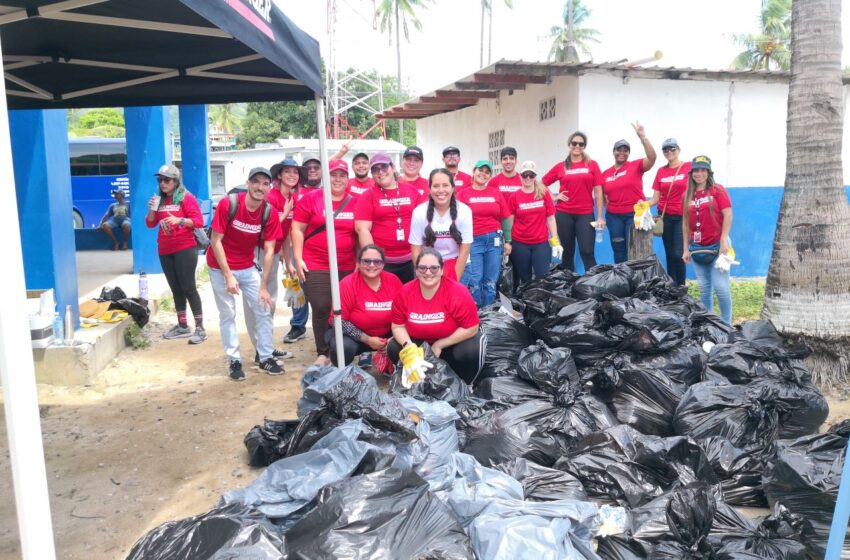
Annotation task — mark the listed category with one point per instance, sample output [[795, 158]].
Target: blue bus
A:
[[98, 166]]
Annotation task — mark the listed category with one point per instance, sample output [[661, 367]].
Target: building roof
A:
[[516, 75]]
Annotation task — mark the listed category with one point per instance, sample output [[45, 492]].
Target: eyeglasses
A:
[[577, 144], [528, 175], [380, 168], [372, 262], [433, 269], [161, 179], [669, 149]]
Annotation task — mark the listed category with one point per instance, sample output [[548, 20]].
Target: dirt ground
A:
[[159, 437]]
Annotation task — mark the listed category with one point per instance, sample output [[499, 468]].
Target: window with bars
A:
[[547, 109], [495, 143]]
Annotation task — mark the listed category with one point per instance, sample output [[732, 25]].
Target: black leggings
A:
[[465, 358], [350, 347], [530, 258], [673, 249], [179, 270], [404, 271], [572, 228]]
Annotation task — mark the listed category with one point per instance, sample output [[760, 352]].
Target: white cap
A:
[[528, 166]]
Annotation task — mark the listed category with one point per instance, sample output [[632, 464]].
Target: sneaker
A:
[[199, 336], [278, 355], [178, 331], [365, 360], [270, 366], [294, 334], [236, 373]]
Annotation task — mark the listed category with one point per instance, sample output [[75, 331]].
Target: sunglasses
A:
[[669, 149], [528, 175], [380, 167], [577, 144], [433, 269], [161, 179], [372, 262]]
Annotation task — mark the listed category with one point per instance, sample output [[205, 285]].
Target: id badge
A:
[[697, 237], [497, 241], [399, 235]]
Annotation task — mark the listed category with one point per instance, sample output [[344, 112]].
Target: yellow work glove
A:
[[293, 294], [557, 250], [413, 364], [643, 216]]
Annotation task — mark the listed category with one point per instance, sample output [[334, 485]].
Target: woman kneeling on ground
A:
[[366, 298], [440, 311]]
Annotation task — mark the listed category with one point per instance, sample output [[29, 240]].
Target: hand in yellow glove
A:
[[557, 249], [293, 294], [413, 364], [643, 216]]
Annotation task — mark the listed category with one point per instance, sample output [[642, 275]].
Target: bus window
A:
[[85, 165]]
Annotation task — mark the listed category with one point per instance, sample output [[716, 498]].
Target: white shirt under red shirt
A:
[[429, 320], [242, 233]]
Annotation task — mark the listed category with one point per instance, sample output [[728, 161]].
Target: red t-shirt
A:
[[507, 185], [578, 182], [663, 178], [530, 217], [358, 187], [278, 202], [369, 310], [462, 180], [172, 239], [452, 307], [385, 209], [624, 186], [242, 233], [705, 228], [310, 210], [488, 207], [420, 184]]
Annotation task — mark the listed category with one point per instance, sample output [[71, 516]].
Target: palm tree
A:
[[769, 48], [571, 35], [487, 7], [227, 117], [806, 294], [398, 15]]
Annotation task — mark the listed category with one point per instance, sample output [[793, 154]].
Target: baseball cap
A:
[[451, 149], [528, 166], [380, 158], [310, 157], [622, 144], [701, 162], [484, 163], [257, 171], [117, 191], [507, 151], [168, 170], [360, 154], [338, 165], [287, 162], [670, 143], [413, 151]]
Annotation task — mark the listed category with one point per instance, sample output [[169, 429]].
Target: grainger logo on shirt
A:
[[615, 176], [378, 305], [481, 199], [169, 208], [531, 205], [247, 228], [578, 171], [672, 178], [427, 318], [401, 201]]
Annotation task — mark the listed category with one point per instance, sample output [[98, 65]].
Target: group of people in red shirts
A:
[[418, 256]]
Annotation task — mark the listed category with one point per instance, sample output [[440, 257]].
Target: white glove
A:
[[643, 216], [414, 366], [557, 252], [725, 261]]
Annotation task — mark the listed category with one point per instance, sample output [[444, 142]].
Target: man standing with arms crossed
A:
[[235, 235]]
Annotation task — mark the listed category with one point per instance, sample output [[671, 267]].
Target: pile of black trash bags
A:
[[616, 419]]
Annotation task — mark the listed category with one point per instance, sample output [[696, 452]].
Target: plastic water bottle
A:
[[143, 286], [57, 330], [69, 326], [600, 233]]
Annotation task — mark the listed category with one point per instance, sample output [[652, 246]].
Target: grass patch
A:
[[136, 337], [747, 299], [204, 274], [166, 303]]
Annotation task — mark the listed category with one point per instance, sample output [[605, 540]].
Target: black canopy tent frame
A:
[[122, 53]]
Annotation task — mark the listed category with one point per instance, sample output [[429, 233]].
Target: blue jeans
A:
[[711, 279], [619, 228], [673, 248], [482, 272]]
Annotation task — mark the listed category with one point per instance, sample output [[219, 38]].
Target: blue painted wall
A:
[[755, 211], [43, 191], [148, 147], [194, 152]]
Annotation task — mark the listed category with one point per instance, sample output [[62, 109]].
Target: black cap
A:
[[360, 154], [450, 149], [507, 151], [413, 151]]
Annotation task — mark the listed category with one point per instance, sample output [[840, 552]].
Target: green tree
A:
[[770, 48], [487, 8], [572, 35], [397, 15], [227, 117], [104, 123]]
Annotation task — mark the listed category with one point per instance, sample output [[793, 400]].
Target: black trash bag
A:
[[267, 443], [803, 475], [386, 514], [135, 307], [624, 466], [508, 390], [542, 484], [645, 270], [739, 471], [507, 283], [550, 370], [747, 416], [777, 537], [474, 408], [661, 290], [573, 328], [232, 531], [683, 363], [111, 294], [506, 337], [690, 514], [537, 303], [558, 282], [741, 362], [604, 281], [640, 326], [441, 383], [644, 398], [708, 327], [803, 408]]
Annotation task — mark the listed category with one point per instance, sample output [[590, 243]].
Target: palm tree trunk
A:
[[398, 72], [809, 275]]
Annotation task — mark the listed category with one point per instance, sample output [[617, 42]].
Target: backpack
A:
[[233, 199]]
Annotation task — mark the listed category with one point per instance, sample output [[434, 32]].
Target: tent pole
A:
[[838, 530], [329, 230], [20, 395]]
